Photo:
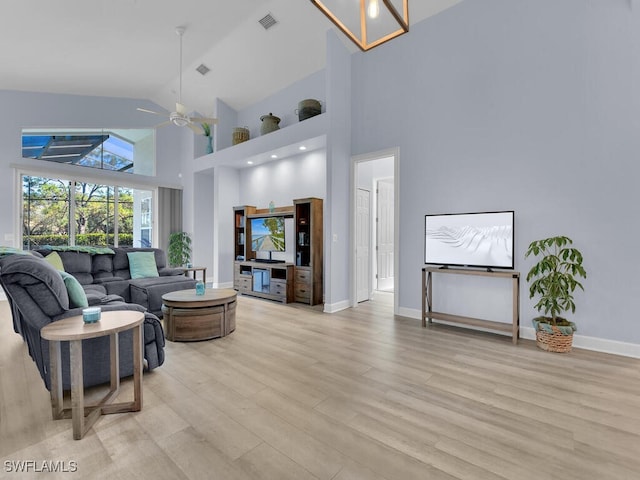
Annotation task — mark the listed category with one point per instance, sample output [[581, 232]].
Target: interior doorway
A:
[[374, 225]]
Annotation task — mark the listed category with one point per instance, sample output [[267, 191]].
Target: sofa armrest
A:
[[170, 272]]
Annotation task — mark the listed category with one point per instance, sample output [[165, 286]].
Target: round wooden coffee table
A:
[[189, 317]]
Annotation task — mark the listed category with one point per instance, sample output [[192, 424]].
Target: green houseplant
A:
[[554, 279], [179, 249]]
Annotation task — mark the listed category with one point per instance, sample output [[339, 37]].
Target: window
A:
[[97, 215], [122, 150]]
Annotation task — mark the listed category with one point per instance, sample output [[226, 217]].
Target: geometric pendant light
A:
[[368, 23]]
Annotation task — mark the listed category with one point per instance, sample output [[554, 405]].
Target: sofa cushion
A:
[[142, 265], [77, 264], [77, 296], [56, 262], [149, 291]]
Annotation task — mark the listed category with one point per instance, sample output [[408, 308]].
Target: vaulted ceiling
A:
[[129, 48]]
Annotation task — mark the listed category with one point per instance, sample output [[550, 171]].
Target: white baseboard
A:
[[336, 307], [410, 313], [221, 285], [603, 345]]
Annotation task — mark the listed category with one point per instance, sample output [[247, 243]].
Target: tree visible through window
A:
[[100, 215]]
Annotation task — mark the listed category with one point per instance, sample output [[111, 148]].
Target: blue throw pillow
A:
[[142, 264], [77, 297]]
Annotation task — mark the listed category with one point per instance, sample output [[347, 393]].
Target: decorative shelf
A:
[[284, 143]]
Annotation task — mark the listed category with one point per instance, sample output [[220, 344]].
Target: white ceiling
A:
[[129, 48]]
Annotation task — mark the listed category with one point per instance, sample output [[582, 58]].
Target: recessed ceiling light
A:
[[302, 147], [250, 162], [274, 156]]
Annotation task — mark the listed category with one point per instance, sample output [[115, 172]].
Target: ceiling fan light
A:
[[178, 120]]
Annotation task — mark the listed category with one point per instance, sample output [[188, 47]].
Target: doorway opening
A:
[[374, 226]]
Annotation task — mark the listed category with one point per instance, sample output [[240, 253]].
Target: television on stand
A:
[[268, 235], [481, 239]]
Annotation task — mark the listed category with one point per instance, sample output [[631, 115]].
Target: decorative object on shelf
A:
[[308, 108], [200, 288], [206, 129], [553, 279], [91, 315], [270, 123], [179, 249], [272, 207], [368, 23], [240, 134]]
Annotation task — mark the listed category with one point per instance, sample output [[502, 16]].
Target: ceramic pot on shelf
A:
[[308, 108], [270, 123]]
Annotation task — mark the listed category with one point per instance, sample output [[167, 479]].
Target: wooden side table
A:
[[198, 269], [74, 330]]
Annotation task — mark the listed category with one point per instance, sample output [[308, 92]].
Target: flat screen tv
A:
[[267, 234], [483, 239]]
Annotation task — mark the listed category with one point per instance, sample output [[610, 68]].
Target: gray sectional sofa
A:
[[38, 296], [109, 274]]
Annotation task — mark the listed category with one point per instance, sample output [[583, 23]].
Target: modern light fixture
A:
[[368, 23], [302, 147], [274, 156]]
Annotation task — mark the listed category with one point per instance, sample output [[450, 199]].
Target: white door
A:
[[363, 242], [384, 234]]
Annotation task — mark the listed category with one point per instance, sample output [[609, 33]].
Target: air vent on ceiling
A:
[[267, 21], [203, 69]]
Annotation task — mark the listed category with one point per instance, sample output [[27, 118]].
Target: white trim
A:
[[3, 296], [336, 307], [595, 344], [221, 285], [603, 345]]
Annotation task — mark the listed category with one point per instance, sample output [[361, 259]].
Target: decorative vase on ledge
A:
[[209, 145]]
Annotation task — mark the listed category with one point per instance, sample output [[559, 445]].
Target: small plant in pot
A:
[[554, 279], [179, 249]]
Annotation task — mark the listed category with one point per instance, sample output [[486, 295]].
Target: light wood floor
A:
[[297, 394]]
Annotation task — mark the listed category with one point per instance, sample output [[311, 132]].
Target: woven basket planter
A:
[[552, 338], [554, 342]]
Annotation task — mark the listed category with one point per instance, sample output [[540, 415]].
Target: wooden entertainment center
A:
[[299, 281]]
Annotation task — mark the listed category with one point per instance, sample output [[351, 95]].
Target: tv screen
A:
[[267, 234], [470, 239]]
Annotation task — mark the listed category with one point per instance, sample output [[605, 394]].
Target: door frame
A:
[[394, 153]]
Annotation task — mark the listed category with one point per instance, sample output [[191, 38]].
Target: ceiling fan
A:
[[179, 117]]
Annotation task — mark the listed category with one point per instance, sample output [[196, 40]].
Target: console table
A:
[[74, 330], [427, 301]]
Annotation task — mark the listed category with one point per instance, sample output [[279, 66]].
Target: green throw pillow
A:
[[142, 265], [54, 259], [77, 297]]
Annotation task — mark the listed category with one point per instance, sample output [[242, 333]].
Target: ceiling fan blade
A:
[[209, 120], [163, 124], [197, 130], [148, 111]]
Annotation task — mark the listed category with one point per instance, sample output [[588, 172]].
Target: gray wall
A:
[[530, 106]]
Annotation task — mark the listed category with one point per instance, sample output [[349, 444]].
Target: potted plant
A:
[[206, 131], [554, 279], [179, 249]]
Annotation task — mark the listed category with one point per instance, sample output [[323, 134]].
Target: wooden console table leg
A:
[[516, 310], [424, 299]]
